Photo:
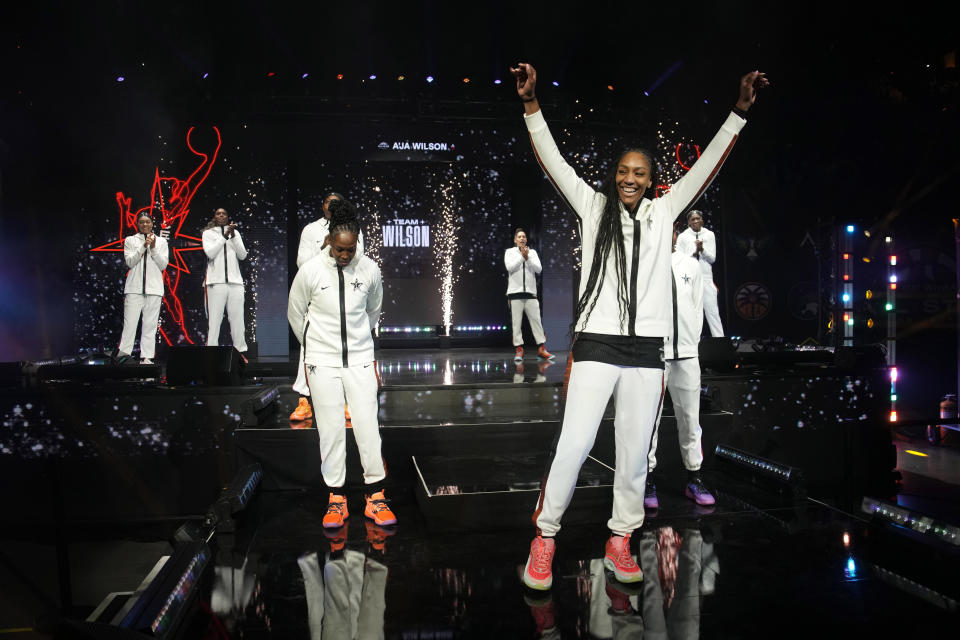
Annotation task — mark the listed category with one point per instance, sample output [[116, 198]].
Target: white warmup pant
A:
[[357, 386], [531, 307], [637, 395], [710, 309], [683, 383], [300, 384], [133, 304], [230, 297]]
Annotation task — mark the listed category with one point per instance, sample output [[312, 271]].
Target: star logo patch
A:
[[356, 284], [686, 279]]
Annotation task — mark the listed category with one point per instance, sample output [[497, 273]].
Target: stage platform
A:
[[465, 436]]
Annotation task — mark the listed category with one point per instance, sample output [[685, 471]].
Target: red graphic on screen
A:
[[170, 202]]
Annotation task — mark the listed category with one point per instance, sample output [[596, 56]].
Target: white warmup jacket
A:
[[146, 265], [332, 310], [687, 245], [522, 274], [647, 235], [312, 237], [687, 309], [223, 255]]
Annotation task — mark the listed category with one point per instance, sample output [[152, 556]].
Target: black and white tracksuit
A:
[[522, 293], [682, 361], [143, 292], [637, 390], [223, 285], [332, 311], [311, 239], [687, 244]]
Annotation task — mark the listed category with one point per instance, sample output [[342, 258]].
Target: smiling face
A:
[[145, 224], [520, 239], [696, 222], [220, 217], [343, 246], [634, 175]]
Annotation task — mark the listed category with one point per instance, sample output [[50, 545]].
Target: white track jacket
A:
[[332, 310], [687, 244], [647, 235], [521, 274], [312, 237], [222, 256], [146, 265], [687, 309]]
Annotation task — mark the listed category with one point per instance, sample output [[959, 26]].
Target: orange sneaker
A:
[[378, 511], [337, 538], [302, 424], [303, 410], [543, 353], [336, 512], [518, 356]]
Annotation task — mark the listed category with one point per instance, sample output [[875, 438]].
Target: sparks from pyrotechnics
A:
[[445, 247]]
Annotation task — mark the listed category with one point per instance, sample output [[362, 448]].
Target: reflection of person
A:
[[346, 597], [146, 255], [621, 318], [334, 305], [523, 265], [313, 238], [700, 243], [224, 285], [682, 374]]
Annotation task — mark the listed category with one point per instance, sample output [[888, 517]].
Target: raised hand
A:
[[749, 85], [526, 77]]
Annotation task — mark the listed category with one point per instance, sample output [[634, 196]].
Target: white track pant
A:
[[133, 305], [300, 384], [683, 383], [357, 386], [531, 307], [346, 598], [637, 395], [710, 309], [229, 297]]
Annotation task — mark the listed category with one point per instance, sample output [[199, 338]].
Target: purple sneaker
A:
[[699, 493], [650, 501]]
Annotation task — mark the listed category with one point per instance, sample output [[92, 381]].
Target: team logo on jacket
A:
[[752, 301], [357, 284]]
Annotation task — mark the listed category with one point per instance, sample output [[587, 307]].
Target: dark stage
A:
[[114, 468]]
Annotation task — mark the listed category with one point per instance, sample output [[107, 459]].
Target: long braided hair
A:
[[609, 238]]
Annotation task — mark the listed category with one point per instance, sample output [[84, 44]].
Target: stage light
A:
[[850, 321], [646, 93], [894, 374], [373, 76], [339, 76], [120, 78], [401, 78], [556, 84], [271, 74], [893, 286], [706, 102], [846, 276], [497, 81], [893, 416], [866, 233], [868, 294], [893, 397], [846, 539], [846, 317], [466, 80], [850, 571], [762, 466], [845, 297], [850, 228], [234, 498], [893, 260], [888, 306], [915, 521], [915, 589], [846, 256], [429, 79], [610, 87], [893, 278], [304, 76], [205, 76], [870, 323], [916, 453], [888, 239]]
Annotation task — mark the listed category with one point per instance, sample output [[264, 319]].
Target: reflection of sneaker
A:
[[146, 361], [337, 537], [537, 574], [542, 367], [378, 511], [336, 512], [650, 500], [543, 612], [619, 560], [377, 536], [518, 355], [303, 410], [543, 353], [619, 600], [696, 491]]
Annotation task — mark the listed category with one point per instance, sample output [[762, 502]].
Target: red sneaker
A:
[[336, 512], [619, 560], [538, 574], [543, 353], [378, 511], [518, 355]]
